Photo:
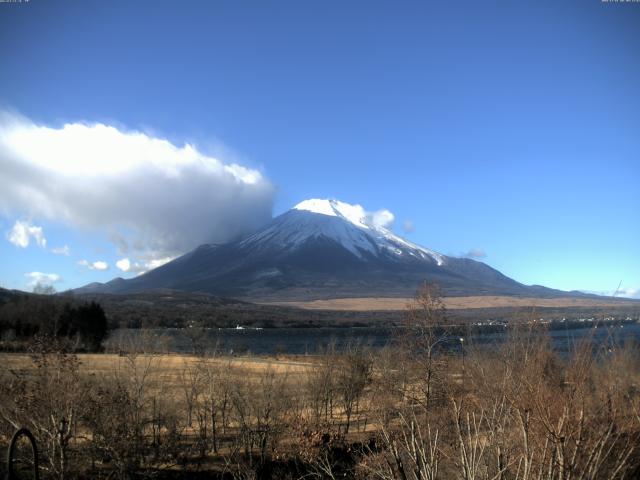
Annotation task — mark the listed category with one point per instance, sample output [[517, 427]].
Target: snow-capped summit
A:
[[335, 208], [321, 249], [360, 232]]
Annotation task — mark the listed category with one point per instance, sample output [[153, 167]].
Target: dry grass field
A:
[[166, 371], [456, 303], [356, 414], [97, 363]]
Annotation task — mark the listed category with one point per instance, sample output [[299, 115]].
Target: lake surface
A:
[[313, 340]]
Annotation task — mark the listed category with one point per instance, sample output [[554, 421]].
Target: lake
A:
[[299, 341]]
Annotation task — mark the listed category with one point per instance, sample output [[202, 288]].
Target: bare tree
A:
[[213, 399], [353, 376], [424, 330], [191, 384], [320, 384]]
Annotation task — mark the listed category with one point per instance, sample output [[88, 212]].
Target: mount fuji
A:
[[321, 249]]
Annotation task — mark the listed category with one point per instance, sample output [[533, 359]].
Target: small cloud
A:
[[43, 279], [97, 265], [65, 250], [408, 226], [382, 218], [22, 233], [141, 266], [475, 253], [124, 264]]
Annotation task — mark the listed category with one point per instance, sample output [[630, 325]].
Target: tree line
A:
[[23, 317]]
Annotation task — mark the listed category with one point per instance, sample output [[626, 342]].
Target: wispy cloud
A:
[[475, 253], [622, 292], [23, 232], [64, 250], [154, 197], [628, 292], [97, 265], [408, 226]]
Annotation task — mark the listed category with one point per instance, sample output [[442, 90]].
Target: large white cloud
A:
[[147, 194]]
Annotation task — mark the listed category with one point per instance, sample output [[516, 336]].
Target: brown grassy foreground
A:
[[407, 412]]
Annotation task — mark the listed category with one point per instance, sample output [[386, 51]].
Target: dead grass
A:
[[454, 303], [168, 367]]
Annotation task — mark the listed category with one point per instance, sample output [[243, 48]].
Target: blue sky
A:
[[505, 128]]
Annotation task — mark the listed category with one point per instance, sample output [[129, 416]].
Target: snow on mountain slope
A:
[[357, 230]]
